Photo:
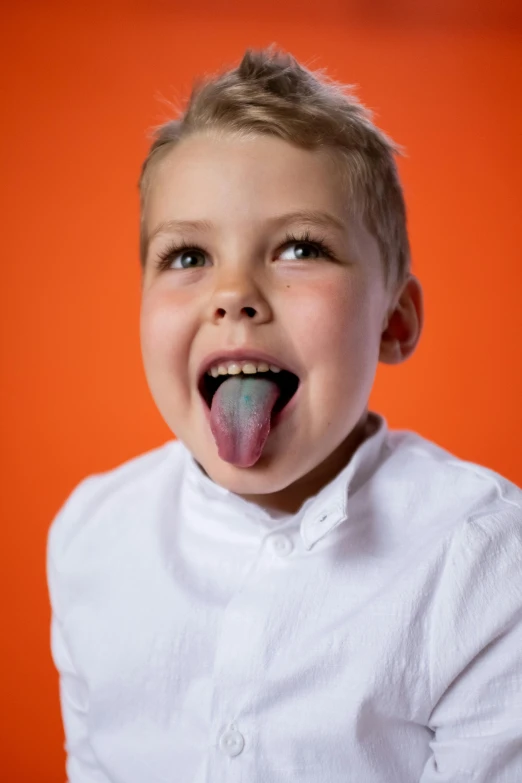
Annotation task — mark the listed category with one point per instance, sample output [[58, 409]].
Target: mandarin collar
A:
[[320, 513]]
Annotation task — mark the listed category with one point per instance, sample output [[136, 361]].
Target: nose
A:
[[238, 296]]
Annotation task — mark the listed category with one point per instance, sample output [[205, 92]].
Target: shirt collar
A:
[[322, 512]]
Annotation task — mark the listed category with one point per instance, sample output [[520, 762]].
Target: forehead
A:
[[228, 178]]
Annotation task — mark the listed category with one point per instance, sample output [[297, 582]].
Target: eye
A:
[[189, 257], [183, 256], [304, 250], [307, 247]]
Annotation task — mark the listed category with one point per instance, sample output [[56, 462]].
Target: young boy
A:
[[290, 591]]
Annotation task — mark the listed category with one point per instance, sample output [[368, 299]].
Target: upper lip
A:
[[241, 354]]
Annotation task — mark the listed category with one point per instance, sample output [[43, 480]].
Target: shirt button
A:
[[282, 545], [232, 742]]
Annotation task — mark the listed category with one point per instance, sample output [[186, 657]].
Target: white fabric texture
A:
[[373, 637]]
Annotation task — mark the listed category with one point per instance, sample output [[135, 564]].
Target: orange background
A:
[[81, 84]]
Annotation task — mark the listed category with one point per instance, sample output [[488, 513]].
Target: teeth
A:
[[247, 367]]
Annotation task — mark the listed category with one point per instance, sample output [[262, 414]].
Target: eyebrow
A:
[[312, 217]]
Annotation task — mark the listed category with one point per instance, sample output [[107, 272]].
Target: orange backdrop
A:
[[81, 86]]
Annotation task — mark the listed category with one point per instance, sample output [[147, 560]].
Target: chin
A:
[[263, 478]]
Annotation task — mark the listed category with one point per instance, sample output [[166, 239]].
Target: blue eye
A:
[[316, 250], [188, 254], [192, 256], [306, 241]]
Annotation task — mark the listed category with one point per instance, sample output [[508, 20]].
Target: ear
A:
[[403, 324]]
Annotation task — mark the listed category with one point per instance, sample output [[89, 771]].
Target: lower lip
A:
[[275, 420]]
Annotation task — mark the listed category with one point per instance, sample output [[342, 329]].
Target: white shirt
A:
[[373, 637]]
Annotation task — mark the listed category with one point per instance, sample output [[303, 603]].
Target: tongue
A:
[[240, 418]]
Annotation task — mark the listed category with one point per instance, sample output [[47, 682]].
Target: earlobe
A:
[[390, 352], [403, 327]]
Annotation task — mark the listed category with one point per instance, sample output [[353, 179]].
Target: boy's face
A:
[[245, 286]]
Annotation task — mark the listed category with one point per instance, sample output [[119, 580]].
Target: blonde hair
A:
[[269, 92]]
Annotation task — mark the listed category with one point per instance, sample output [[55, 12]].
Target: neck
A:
[[290, 499]]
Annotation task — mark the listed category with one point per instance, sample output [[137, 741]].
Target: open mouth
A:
[[287, 382]]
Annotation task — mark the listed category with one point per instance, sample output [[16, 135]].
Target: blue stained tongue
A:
[[240, 418]]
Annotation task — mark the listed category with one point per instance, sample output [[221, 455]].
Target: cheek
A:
[[329, 321], [164, 330], [337, 340]]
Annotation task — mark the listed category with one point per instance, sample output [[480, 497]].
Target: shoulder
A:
[[102, 503], [470, 518], [448, 488], [476, 607], [461, 522], [474, 516]]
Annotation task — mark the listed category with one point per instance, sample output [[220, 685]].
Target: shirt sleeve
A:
[[81, 764], [476, 655]]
